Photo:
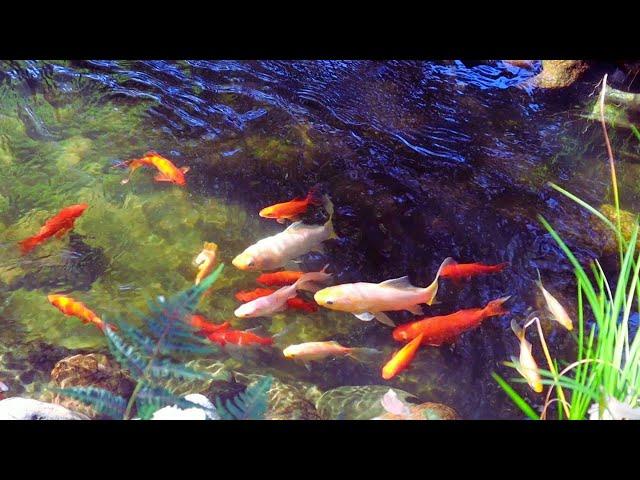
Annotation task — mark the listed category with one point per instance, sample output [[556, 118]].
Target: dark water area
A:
[[422, 161]]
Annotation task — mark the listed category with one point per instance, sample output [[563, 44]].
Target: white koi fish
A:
[[558, 312], [528, 367], [369, 300], [275, 251], [313, 351], [277, 301]]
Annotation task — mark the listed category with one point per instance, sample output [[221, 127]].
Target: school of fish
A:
[[366, 301]]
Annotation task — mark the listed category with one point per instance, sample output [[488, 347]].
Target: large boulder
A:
[[18, 408], [95, 370], [559, 73]]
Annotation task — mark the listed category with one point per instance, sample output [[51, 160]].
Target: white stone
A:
[[18, 408], [208, 412]]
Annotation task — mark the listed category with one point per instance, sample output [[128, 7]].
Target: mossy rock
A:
[[628, 221], [357, 402]]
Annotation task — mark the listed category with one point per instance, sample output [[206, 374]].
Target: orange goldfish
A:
[[57, 225], [279, 279], [237, 337], [73, 308], [290, 210], [205, 261], [457, 271], [445, 328], [297, 303], [402, 358], [168, 172], [249, 295], [205, 326]]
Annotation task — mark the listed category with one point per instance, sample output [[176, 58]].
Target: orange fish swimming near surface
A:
[[167, 171], [205, 326], [250, 295], [402, 358], [73, 308], [290, 210], [458, 271], [279, 279], [446, 328], [227, 335], [56, 226]]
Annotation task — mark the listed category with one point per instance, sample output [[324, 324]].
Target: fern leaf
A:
[[125, 354], [162, 369], [102, 401], [249, 405], [152, 399]]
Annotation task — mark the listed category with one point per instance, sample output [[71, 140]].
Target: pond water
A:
[[422, 160]]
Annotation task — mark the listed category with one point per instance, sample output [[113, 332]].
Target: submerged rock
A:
[[286, 402], [424, 411], [559, 73], [18, 408], [94, 370], [356, 402], [628, 221]]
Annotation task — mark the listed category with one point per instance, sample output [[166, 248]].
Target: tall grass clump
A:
[[604, 380]]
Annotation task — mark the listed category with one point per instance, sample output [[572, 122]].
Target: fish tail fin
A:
[[539, 281], [494, 307], [501, 266], [364, 354], [119, 164], [28, 244], [517, 329], [309, 281], [328, 206], [314, 197], [432, 290]]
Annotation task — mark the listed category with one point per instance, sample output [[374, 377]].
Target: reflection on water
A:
[[422, 161]]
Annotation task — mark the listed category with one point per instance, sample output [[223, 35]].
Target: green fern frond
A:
[[152, 399], [164, 369], [128, 357], [249, 405], [102, 401]]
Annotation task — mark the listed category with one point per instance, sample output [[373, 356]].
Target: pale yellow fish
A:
[[313, 351], [558, 312], [614, 409], [275, 251], [277, 301], [528, 367], [205, 261], [369, 300]]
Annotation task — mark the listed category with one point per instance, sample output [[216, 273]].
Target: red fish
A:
[[298, 303], [402, 358], [167, 171], [249, 295], [73, 308], [457, 271], [205, 326], [290, 210], [238, 337], [279, 279], [445, 328], [56, 226]]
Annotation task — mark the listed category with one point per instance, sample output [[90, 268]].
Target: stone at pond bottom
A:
[[286, 402], [94, 370], [424, 411], [356, 402], [18, 408], [559, 73], [208, 412]]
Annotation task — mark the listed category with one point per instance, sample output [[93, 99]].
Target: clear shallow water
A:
[[422, 161]]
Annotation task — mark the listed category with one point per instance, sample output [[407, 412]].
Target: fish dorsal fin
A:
[[517, 329], [333, 343], [294, 226], [401, 282]]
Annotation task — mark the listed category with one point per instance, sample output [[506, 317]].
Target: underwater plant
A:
[[156, 354], [604, 380]]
